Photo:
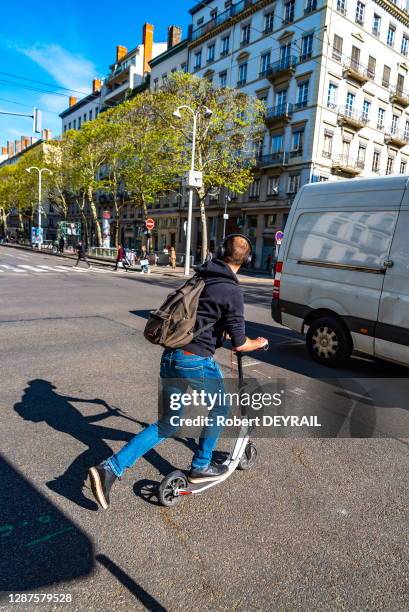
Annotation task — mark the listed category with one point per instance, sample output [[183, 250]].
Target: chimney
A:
[[73, 100], [4, 150], [10, 148], [27, 141], [147, 46], [120, 53], [96, 85], [17, 146], [46, 134], [174, 36]]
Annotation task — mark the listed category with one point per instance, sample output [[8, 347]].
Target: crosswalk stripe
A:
[[31, 268], [11, 268]]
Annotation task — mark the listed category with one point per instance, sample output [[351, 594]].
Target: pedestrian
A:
[[172, 258], [81, 253], [61, 245], [121, 258], [220, 311]]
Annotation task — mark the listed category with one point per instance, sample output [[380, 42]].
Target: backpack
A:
[[172, 324]]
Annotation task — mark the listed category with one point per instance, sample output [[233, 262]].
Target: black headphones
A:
[[222, 248]]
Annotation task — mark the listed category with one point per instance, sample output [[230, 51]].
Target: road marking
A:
[[11, 268], [31, 268]]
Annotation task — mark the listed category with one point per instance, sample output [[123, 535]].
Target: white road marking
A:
[[11, 268], [32, 268]]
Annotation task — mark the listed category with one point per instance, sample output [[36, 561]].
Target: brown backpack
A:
[[173, 323]]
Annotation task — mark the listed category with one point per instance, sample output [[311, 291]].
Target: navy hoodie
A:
[[221, 303]]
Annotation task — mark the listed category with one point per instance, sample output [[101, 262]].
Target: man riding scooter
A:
[[220, 311]]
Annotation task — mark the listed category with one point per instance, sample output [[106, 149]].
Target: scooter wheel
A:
[[168, 487], [249, 457]]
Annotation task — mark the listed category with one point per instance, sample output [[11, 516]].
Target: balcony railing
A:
[[354, 70], [279, 112], [286, 64], [280, 158], [397, 137], [233, 10], [347, 164], [348, 115], [399, 96]]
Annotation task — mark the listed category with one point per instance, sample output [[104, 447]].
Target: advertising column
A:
[[106, 232]]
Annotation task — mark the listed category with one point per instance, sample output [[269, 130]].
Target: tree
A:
[[226, 144], [7, 184]]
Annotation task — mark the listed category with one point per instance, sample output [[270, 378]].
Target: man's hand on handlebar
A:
[[255, 344]]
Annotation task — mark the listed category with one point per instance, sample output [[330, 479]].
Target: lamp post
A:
[[40, 173], [225, 215], [207, 113]]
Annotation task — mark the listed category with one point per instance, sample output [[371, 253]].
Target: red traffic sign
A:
[[150, 224], [279, 236], [106, 214]]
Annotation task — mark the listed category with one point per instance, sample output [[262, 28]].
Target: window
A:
[[360, 12], [371, 67], [211, 52], [156, 84], [293, 183], [225, 45], [85, 117], [281, 97], [245, 34], [183, 67], [365, 109], [254, 192], [273, 186], [390, 38], [405, 44], [381, 119], [277, 141], [310, 6], [376, 25], [302, 94], [198, 60], [297, 141], [389, 165], [337, 47], [242, 74], [386, 77], [361, 155], [90, 115], [332, 95], [376, 160], [394, 124], [341, 6], [289, 11], [268, 22], [328, 140], [306, 46], [174, 70], [213, 13], [265, 62], [223, 79], [79, 123], [74, 124], [200, 21], [355, 57], [96, 112], [407, 129], [271, 220], [400, 83], [164, 77], [350, 103], [402, 167]]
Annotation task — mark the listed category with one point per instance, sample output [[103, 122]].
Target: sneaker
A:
[[212, 472], [102, 478]]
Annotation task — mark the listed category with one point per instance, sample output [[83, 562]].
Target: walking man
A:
[[220, 310], [121, 257], [81, 254], [61, 245]]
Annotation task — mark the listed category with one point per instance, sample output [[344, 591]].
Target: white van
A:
[[342, 274]]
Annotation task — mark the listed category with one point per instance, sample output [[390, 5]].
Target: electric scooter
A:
[[175, 486]]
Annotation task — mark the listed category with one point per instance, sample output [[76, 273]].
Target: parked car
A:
[[342, 274]]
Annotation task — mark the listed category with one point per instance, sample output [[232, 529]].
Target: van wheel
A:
[[329, 342]]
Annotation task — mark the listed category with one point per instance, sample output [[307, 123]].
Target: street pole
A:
[[40, 174], [190, 207], [227, 201]]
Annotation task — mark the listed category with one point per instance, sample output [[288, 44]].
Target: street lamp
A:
[[225, 215], [207, 114], [40, 173]]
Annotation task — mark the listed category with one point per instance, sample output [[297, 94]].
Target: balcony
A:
[[354, 70], [121, 73], [352, 118], [222, 18], [278, 114], [396, 138], [279, 158], [400, 97], [285, 67], [344, 164]]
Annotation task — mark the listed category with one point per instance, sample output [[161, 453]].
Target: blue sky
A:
[[67, 44]]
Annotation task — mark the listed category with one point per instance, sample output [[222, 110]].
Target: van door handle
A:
[[388, 263]]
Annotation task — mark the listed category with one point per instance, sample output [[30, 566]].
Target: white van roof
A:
[[316, 195]]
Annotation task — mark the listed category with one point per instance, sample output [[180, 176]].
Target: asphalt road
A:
[[319, 524]]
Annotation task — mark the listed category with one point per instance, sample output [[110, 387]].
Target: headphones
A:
[[222, 248]]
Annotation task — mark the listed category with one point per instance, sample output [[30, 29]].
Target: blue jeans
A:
[[199, 373]]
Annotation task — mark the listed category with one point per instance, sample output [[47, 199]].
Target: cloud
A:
[[68, 69]]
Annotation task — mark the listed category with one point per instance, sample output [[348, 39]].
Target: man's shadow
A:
[[40, 402]]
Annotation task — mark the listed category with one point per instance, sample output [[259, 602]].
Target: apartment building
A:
[[83, 110], [333, 77]]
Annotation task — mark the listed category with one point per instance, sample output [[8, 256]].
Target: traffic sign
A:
[[279, 237], [150, 224]]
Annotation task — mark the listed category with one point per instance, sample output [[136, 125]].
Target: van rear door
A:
[[392, 328]]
